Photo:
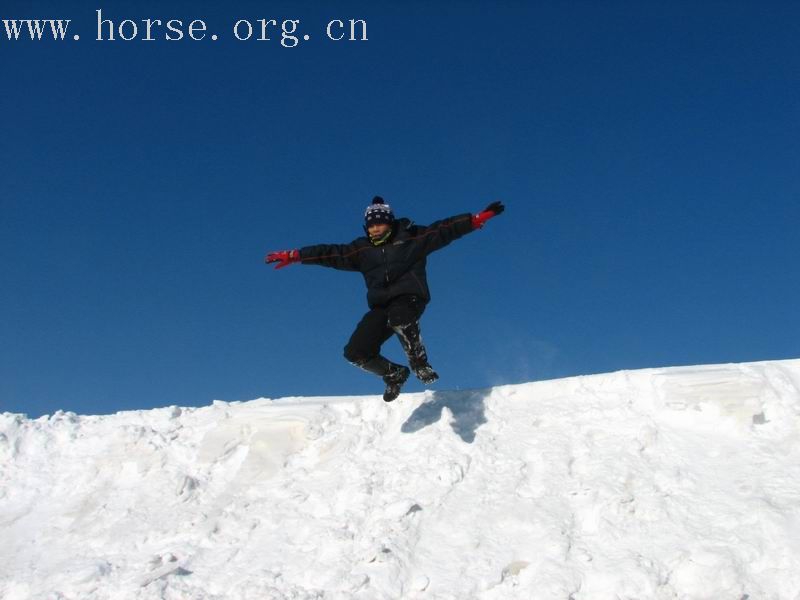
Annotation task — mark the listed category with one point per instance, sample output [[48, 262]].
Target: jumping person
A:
[[392, 258]]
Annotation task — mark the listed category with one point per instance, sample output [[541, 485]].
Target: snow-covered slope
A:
[[661, 483]]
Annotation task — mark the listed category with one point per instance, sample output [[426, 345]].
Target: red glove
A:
[[494, 209], [284, 258]]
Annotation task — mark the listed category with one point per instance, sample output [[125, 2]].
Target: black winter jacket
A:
[[395, 267]]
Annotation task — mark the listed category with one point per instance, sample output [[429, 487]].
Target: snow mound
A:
[[660, 483]]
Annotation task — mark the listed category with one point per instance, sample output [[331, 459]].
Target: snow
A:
[[660, 483]]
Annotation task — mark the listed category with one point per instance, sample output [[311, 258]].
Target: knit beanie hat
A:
[[378, 212]]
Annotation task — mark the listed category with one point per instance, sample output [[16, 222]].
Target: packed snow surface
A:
[[660, 483]]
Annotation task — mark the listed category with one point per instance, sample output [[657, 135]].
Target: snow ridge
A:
[[659, 483]]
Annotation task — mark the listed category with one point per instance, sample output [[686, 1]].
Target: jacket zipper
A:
[[385, 265]]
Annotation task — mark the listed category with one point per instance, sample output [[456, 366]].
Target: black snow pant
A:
[[400, 316]]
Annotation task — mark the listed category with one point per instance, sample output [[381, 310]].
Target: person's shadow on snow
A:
[[468, 409]]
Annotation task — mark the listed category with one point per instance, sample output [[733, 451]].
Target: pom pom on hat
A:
[[378, 212]]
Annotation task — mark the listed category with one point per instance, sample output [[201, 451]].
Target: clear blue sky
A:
[[648, 155]]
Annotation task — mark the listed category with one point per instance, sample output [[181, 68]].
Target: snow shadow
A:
[[468, 410]]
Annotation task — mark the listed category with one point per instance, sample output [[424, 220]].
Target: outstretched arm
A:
[[439, 234], [337, 256]]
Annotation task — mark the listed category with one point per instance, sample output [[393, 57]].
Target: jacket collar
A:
[[398, 225]]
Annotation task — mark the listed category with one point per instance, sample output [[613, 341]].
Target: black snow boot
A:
[[411, 340], [393, 375], [394, 381]]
